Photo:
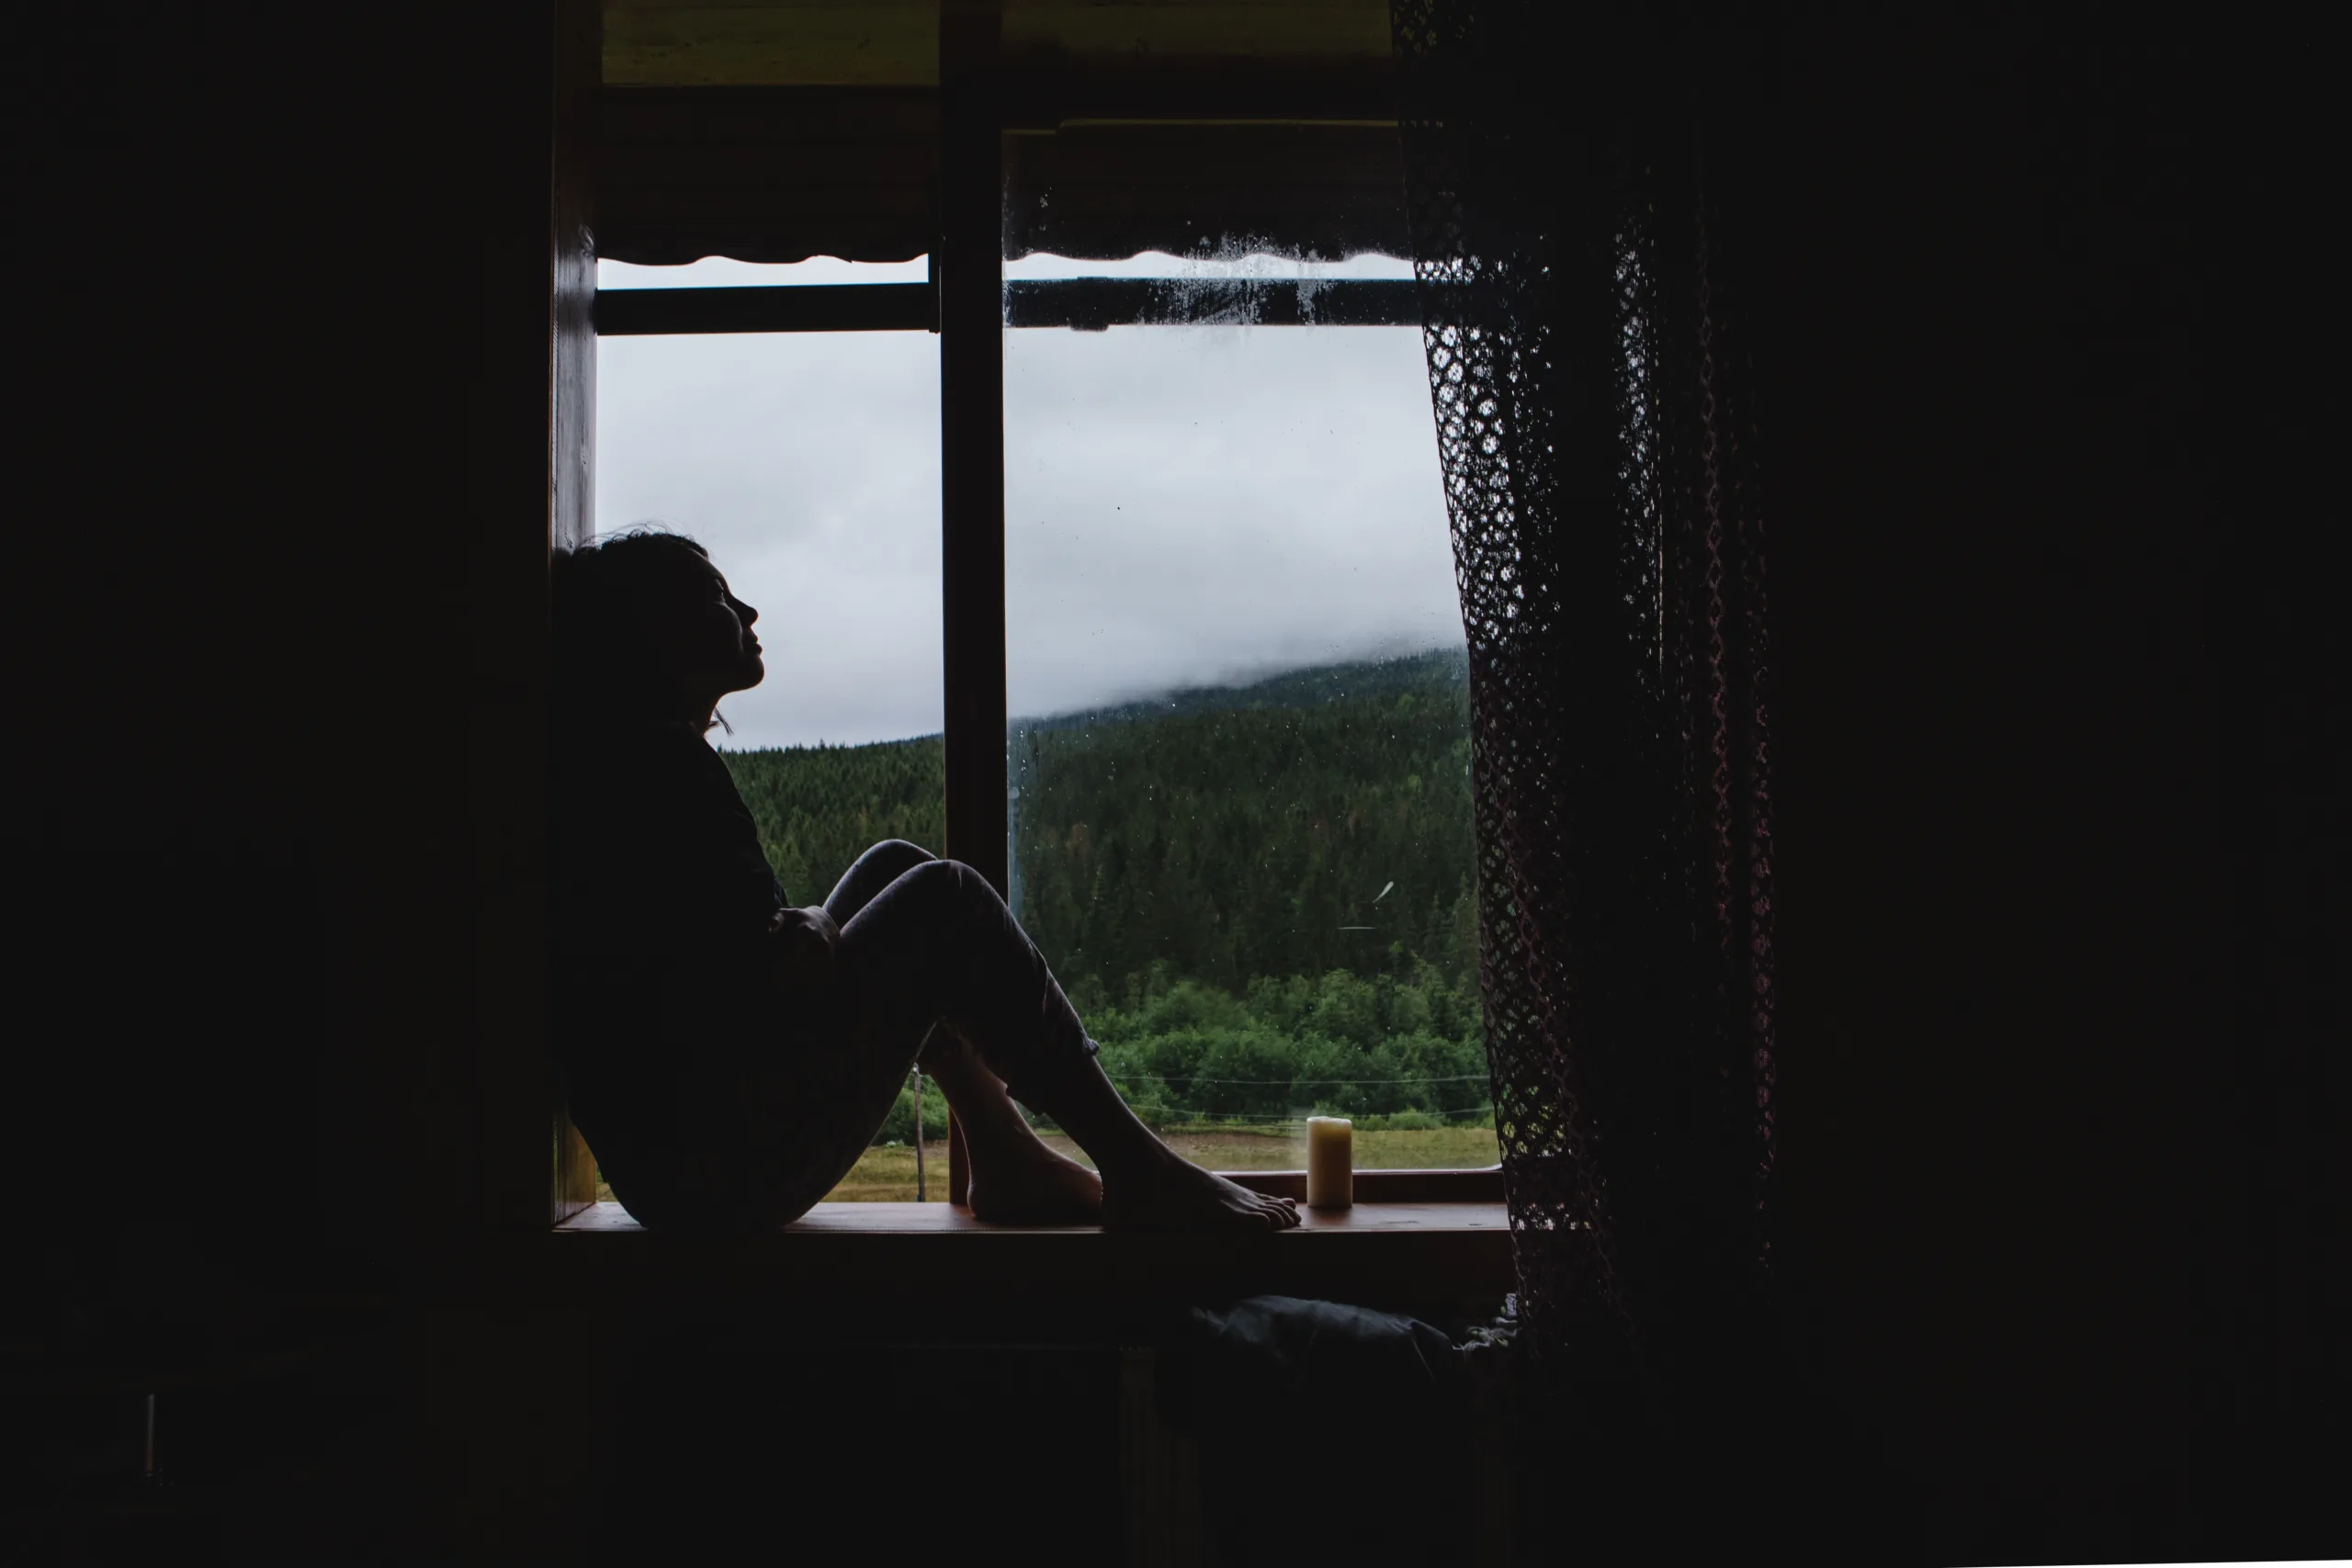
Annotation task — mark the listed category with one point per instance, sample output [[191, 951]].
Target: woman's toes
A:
[[1275, 1213], [1181, 1196]]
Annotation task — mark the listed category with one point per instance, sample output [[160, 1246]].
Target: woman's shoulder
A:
[[666, 776], [632, 744], [649, 781]]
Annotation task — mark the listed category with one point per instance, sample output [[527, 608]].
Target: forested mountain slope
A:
[[1262, 897], [1316, 821], [819, 807]]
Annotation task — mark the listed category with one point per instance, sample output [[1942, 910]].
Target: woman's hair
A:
[[600, 594]]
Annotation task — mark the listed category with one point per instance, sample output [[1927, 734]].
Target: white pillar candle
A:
[[1330, 1162]]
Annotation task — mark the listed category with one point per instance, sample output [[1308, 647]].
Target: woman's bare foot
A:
[[1174, 1194], [1016, 1180], [1026, 1183]]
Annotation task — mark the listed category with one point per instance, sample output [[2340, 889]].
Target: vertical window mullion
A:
[[968, 270], [971, 431]]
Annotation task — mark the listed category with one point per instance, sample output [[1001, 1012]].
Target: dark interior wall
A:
[[277, 432], [276, 592], [1999, 890], [279, 395], [2059, 744], [278, 382]]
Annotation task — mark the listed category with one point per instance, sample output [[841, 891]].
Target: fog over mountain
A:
[[1184, 506]]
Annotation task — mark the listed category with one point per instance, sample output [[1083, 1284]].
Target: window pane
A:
[[725, 272], [807, 464], [1239, 754]]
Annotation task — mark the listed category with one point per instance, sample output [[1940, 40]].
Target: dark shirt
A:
[[661, 898], [654, 850]]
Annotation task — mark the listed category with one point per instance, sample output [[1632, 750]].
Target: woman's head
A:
[[645, 627]]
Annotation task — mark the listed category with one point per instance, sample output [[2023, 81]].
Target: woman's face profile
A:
[[704, 634]]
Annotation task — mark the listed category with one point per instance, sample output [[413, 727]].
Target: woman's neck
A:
[[698, 712]]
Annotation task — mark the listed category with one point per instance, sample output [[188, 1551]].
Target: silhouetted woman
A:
[[728, 1056]]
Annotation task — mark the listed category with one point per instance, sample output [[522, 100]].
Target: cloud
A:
[[807, 464], [1189, 505], [1183, 506]]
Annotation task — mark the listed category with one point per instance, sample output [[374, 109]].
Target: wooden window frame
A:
[[970, 306]]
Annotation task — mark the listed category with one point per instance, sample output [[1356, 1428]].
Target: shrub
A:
[[1184, 1051], [898, 1125], [1404, 1122]]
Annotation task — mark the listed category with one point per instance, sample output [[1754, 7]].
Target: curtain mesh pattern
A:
[[1589, 388]]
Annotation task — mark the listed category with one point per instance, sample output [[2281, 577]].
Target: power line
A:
[[1181, 1118], [1279, 1083]]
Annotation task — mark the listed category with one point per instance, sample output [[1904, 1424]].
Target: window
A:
[[983, 489], [1238, 755], [808, 463]]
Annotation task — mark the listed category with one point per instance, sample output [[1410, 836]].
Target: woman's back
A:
[[659, 899], [652, 849]]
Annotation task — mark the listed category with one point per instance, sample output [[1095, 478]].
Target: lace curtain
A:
[[1591, 386]]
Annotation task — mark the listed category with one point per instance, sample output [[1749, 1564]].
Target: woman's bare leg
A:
[[1145, 1184], [1014, 1175], [938, 943]]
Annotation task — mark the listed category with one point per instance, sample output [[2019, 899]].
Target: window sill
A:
[[1376, 1249]]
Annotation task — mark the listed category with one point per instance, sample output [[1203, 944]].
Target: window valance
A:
[[782, 173]]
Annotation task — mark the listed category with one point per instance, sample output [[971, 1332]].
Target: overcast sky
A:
[[1184, 506]]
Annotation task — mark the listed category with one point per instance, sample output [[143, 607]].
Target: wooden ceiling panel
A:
[[895, 43], [773, 133], [765, 173], [808, 43]]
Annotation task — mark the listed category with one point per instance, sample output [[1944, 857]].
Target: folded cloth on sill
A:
[[1325, 1426]]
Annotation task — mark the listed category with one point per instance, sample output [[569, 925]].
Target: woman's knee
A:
[[874, 871], [941, 908], [937, 878], [896, 851], [946, 885], [881, 865]]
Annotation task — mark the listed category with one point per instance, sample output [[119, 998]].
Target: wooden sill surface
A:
[[881, 1220], [1370, 1250]]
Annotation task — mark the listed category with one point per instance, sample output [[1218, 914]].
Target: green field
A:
[[888, 1175]]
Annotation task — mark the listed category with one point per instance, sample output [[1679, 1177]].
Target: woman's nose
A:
[[747, 611]]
